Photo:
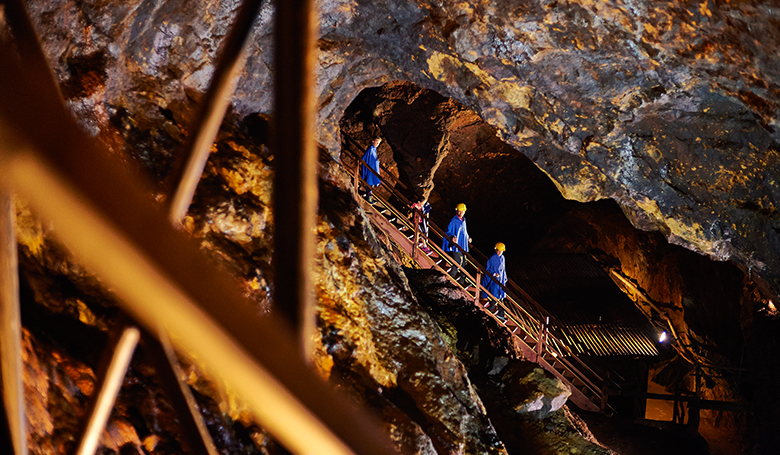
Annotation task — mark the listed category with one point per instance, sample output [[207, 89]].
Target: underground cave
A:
[[629, 150]]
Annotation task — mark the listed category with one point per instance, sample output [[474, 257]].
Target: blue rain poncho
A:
[[496, 265], [457, 229], [370, 157]]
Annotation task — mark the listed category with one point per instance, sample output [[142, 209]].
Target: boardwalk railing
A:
[[535, 331]]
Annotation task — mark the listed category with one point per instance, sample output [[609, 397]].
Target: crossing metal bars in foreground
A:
[[109, 222]]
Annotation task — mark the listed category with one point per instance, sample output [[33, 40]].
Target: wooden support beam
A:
[[187, 172], [108, 220], [168, 369], [11, 328], [113, 367], [295, 165]]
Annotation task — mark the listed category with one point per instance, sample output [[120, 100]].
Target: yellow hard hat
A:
[[500, 247], [461, 207]]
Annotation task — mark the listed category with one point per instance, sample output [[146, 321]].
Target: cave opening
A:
[[444, 152]]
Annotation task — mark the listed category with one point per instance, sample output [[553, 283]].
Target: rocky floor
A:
[[629, 438]]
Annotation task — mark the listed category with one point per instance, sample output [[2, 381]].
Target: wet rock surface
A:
[[373, 340], [668, 109], [506, 383], [532, 391]]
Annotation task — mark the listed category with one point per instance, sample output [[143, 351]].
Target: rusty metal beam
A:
[[113, 367], [11, 328], [109, 221], [295, 165], [168, 369], [25, 40], [187, 172]]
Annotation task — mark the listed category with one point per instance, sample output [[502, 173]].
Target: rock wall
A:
[[667, 108]]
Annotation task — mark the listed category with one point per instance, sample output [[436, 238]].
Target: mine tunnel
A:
[[562, 252], [625, 155]]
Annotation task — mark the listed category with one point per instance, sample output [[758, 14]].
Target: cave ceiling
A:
[[668, 108]]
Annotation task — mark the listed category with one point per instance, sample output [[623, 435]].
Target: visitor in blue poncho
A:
[[457, 234], [371, 158], [496, 266]]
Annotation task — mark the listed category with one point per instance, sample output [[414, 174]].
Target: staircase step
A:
[[522, 326]]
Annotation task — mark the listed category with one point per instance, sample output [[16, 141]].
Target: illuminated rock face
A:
[[667, 108], [670, 109]]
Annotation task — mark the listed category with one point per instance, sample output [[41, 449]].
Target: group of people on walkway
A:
[[456, 240], [456, 243]]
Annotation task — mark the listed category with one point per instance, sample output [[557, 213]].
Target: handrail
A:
[[392, 190], [546, 342], [387, 171], [553, 337], [440, 232]]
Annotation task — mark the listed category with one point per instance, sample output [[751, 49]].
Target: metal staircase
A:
[[531, 327]]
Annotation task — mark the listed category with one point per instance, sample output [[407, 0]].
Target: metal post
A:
[[166, 364], [476, 292], [187, 172], [11, 332], [695, 405], [542, 338], [295, 158], [114, 365], [416, 222], [356, 179]]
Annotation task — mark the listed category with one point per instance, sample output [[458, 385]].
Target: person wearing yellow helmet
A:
[[496, 268], [456, 241]]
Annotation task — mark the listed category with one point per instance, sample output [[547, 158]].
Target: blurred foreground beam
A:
[[11, 331], [169, 371], [187, 172], [295, 165], [111, 225], [183, 182], [113, 367]]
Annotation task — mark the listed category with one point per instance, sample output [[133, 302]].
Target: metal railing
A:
[[541, 334]]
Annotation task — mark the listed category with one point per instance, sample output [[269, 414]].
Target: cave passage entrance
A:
[[443, 151]]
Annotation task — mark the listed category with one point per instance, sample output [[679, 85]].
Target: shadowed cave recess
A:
[[641, 136], [445, 153]]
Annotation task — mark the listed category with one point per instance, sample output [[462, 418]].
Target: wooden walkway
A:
[[556, 347]]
